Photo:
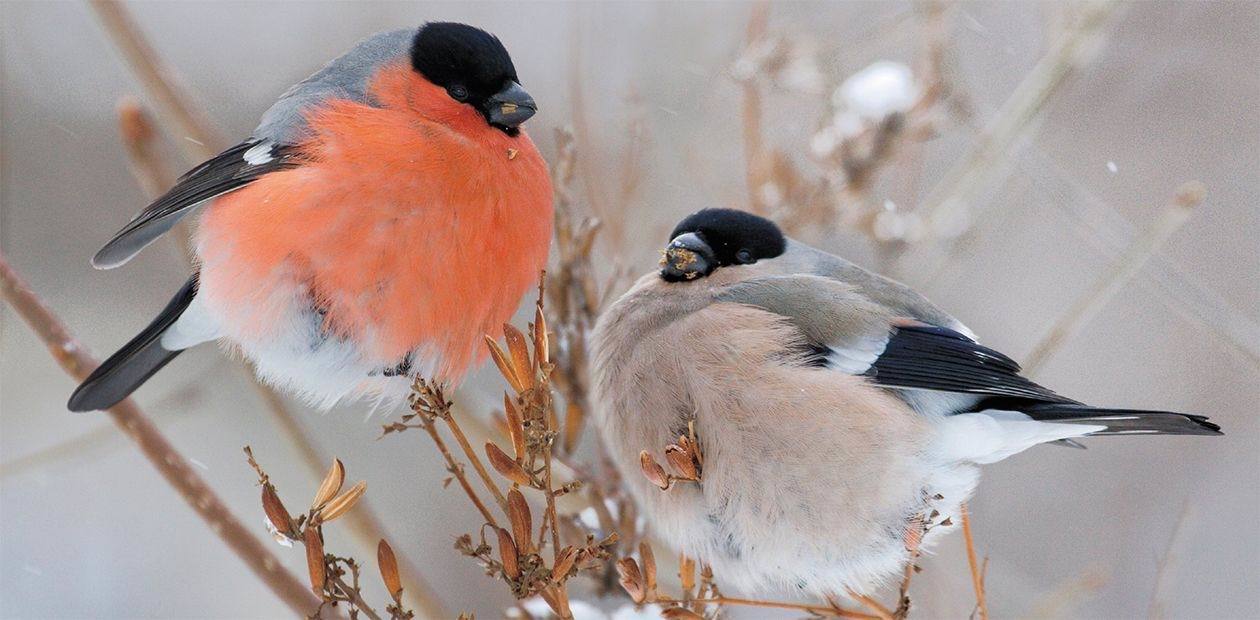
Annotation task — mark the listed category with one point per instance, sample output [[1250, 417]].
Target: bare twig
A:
[[945, 204], [185, 122], [977, 571], [453, 424], [821, 610], [159, 451], [429, 402], [1147, 244]]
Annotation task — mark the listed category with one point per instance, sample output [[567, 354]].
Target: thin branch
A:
[[352, 594], [961, 185], [977, 571], [822, 610], [185, 122], [153, 176], [457, 470], [458, 432], [1130, 262], [72, 357], [881, 612]]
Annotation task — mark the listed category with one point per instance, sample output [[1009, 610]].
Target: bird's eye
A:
[[744, 256], [458, 92]]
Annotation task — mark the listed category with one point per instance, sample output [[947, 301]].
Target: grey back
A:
[[345, 77]]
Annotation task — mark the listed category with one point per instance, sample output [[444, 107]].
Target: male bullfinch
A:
[[837, 412], [385, 215]]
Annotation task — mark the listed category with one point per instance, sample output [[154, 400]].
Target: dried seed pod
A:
[[687, 572], [522, 521], [680, 459], [573, 416], [388, 564], [680, 613], [649, 566], [558, 600], [564, 564], [504, 464], [505, 366], [653, 470], [275, 510], [516, 427], [342, 504], [315, 558], [631, 579], [508, 555], [521, 361], [542, 342], [331, 485]]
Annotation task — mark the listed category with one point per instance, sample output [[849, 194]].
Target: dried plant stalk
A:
[[961, 184], [74, 359], [1130, 262], [327, 571], [187, 123], [977, 571]]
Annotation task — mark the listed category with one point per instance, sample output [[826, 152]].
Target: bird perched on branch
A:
[[385, 215], [839, 415]]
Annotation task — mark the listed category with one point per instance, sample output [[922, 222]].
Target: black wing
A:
[[227, 171], [934, 358]]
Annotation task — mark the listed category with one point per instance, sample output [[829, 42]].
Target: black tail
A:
[[1123, 421], [131, 366]]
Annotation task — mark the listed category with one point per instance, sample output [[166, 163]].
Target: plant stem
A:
[[977, 573], [355, 598], [431, 427], [476, 461], [187, 125], [551, 505], [164, 457], [976, 171], [816, 609]]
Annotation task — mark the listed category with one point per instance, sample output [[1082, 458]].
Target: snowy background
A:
[[87, 528]]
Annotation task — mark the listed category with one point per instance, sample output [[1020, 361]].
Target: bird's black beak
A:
[[510, 107], [687, 257]]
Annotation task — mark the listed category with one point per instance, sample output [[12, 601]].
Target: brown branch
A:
[[472, 457], [72, 357], [153, 176], [184, 121], [881, 612], [977, 571], [352, 594], [822, 610], [458, 471]]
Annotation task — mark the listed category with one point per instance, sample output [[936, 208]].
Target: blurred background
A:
[[1092, 116]]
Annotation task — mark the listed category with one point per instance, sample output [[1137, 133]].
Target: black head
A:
[[475, 69], [713, 238]]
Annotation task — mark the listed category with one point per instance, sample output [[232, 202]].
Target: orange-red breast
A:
[[386, 214]]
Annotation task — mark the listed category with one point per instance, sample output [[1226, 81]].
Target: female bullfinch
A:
[[838, 413], [386, 214]]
